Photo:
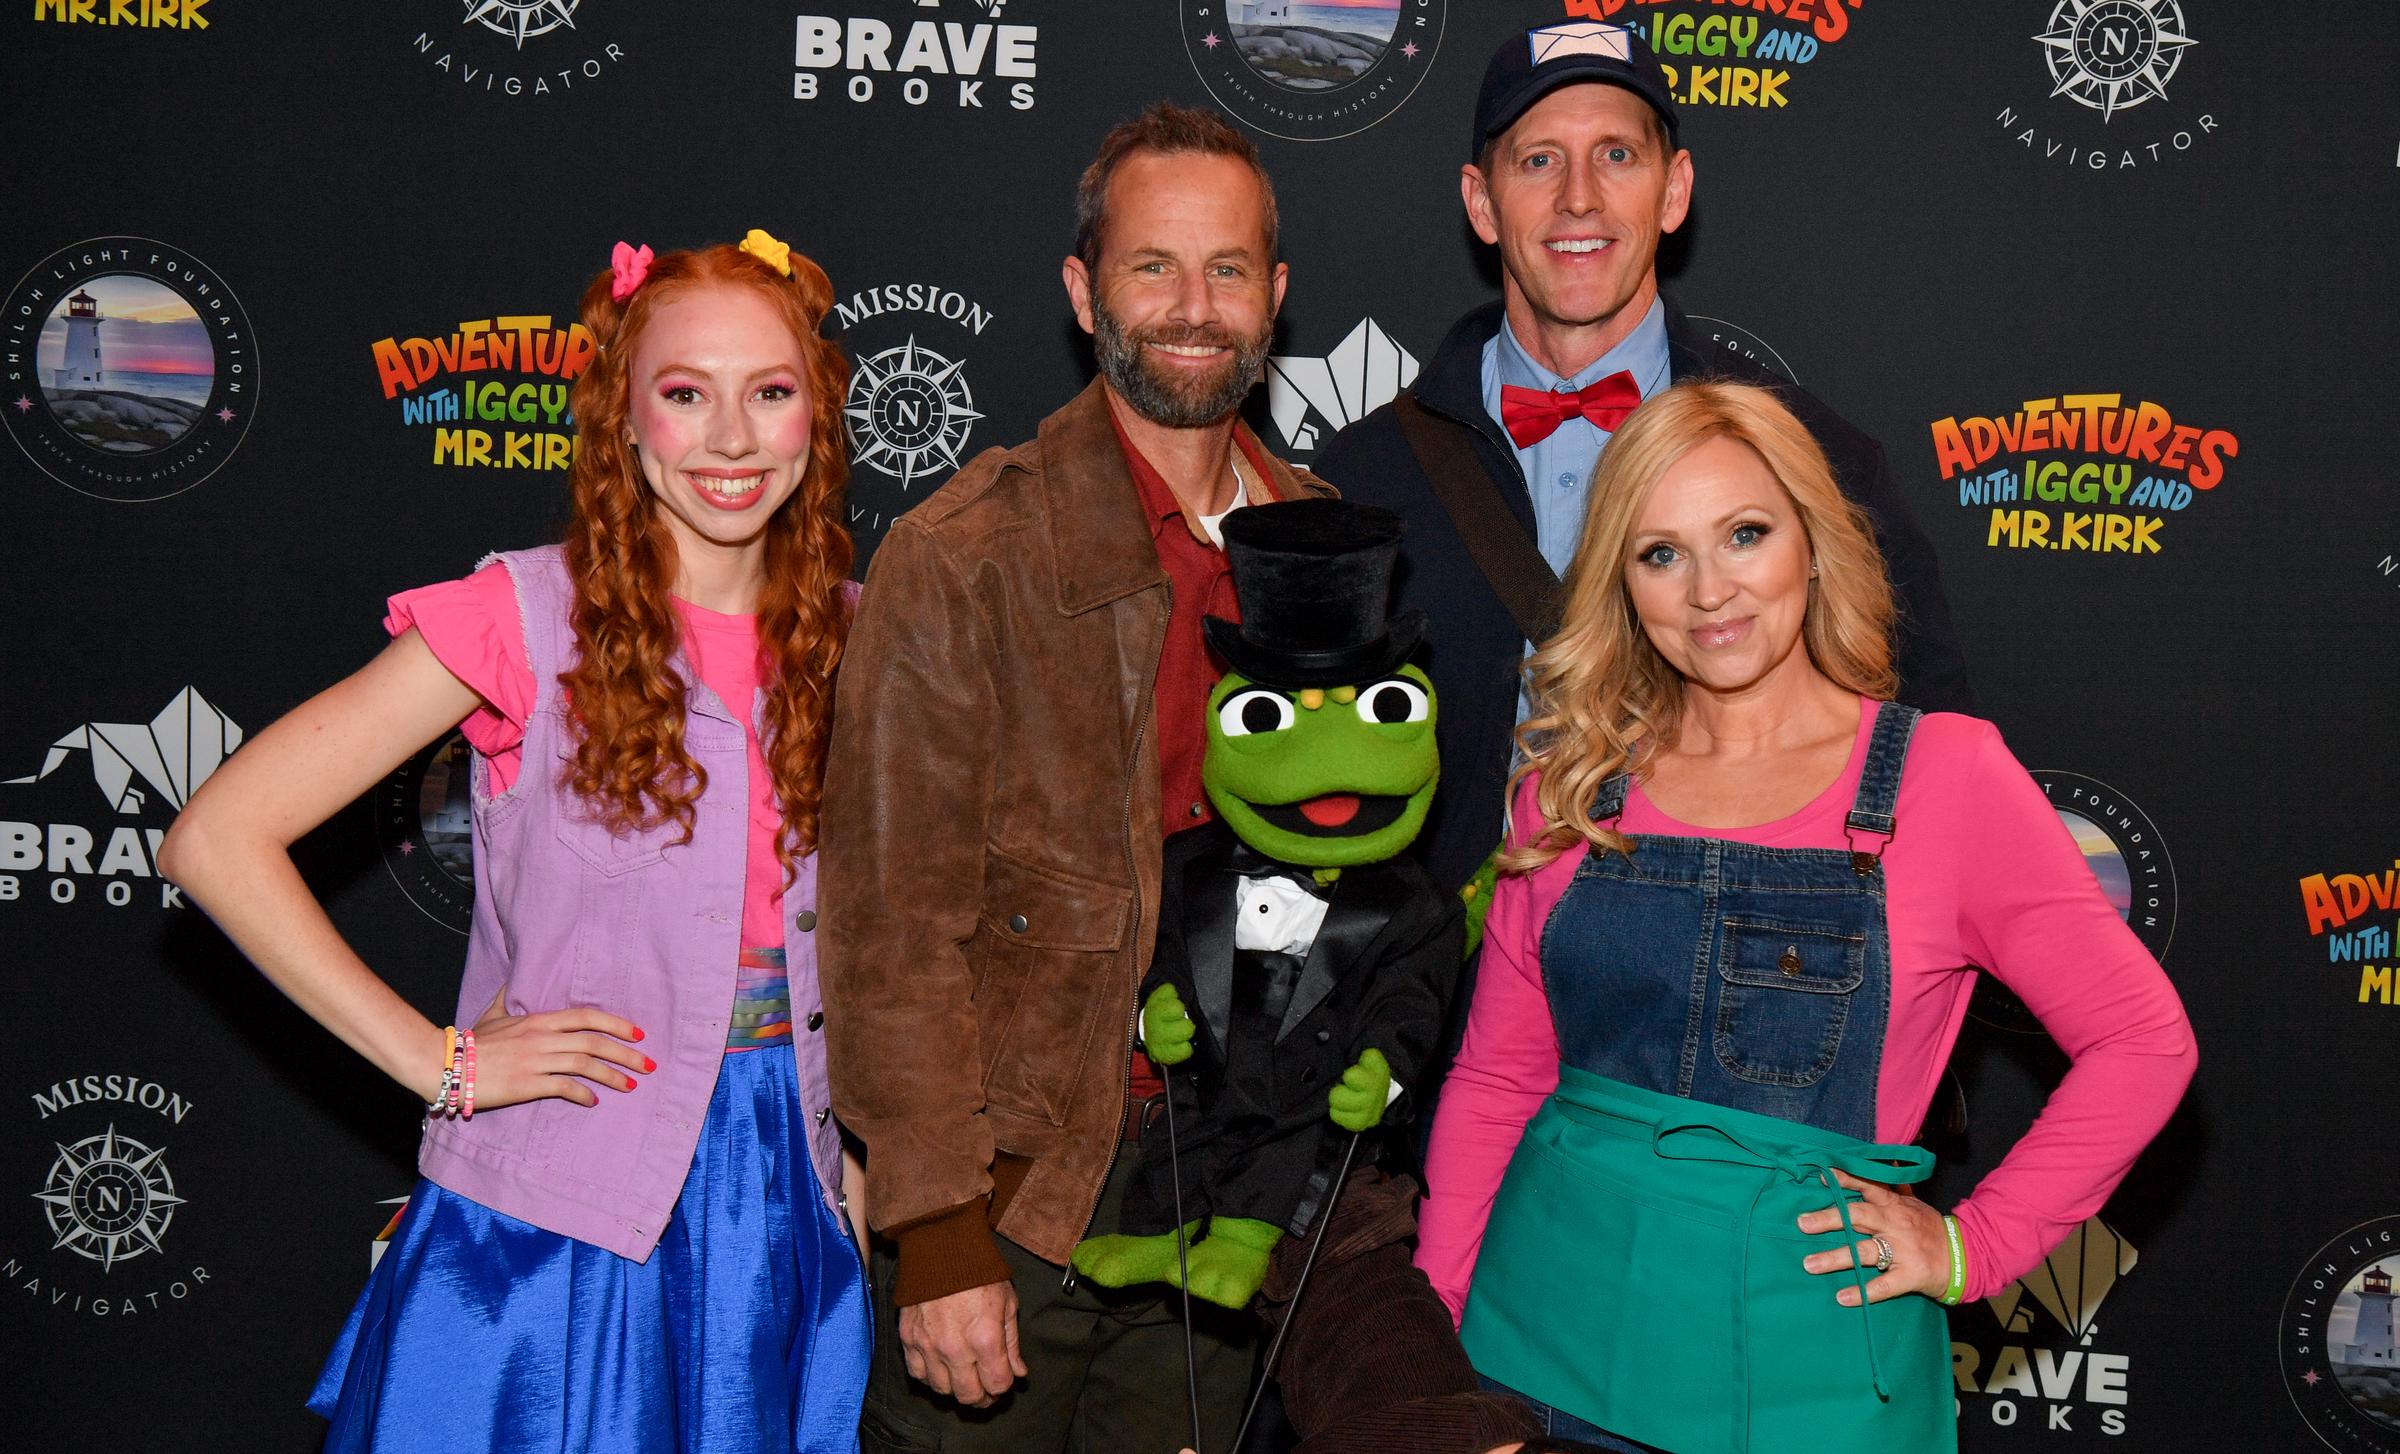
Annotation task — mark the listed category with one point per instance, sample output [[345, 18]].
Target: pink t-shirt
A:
[[1981, 873], [473, 627]]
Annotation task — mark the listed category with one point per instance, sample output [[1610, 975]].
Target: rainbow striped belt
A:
[[762, 1002]]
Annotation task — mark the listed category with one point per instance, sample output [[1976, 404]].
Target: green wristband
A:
[[1958, 1264]]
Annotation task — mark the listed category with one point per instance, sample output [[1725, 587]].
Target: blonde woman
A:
[[1744, 903]]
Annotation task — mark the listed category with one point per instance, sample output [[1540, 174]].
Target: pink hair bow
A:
[[631, 265]]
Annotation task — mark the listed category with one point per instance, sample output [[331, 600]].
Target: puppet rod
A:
[[1291, 1309], [1183, 1266]]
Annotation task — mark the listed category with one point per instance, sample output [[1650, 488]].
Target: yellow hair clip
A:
[[761, 245]]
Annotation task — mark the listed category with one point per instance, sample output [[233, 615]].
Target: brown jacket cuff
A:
[[945, 1253]]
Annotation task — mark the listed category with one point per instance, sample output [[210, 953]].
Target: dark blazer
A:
[[1473, 650], [1379, 974]]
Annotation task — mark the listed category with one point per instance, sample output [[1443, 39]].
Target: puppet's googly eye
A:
[[1254, 710], [1392, 701]]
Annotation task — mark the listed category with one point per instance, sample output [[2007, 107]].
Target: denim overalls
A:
[[1720, 1011]]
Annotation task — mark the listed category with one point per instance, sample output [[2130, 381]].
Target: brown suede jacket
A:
[[989, 855]]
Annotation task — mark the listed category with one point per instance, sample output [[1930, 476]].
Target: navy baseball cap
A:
[[1530, 66]]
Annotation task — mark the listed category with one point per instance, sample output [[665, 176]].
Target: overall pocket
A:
[[1785, 998], [1045, 957]]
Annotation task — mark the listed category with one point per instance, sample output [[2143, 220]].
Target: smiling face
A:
[[1718, 569], [1577, 195], [1181, 300], [1322, 778], [719, 416]]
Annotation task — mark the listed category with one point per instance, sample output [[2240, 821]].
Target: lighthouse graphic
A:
[[2372, 1346], [81, 368]]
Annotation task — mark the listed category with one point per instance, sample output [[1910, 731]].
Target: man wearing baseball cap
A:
[[1574, 173]]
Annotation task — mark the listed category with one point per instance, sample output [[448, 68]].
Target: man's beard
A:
[[1165, 398]]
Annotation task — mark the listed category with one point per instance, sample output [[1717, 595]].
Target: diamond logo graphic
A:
[[174, 752], [2072, 1282], [1365, 371]]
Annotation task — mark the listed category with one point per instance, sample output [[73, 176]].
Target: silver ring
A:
[[1883, 1249]]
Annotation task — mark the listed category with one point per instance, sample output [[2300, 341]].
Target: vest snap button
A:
[[816, 1019], [1016, 923], [823, 1113], [1788, 961], [805, 920]]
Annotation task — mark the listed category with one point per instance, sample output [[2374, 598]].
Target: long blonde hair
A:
[[1601, 694]]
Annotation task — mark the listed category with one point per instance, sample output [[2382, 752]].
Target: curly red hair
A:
[[627, 696]]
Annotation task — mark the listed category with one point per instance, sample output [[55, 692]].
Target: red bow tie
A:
[[1532, 415]]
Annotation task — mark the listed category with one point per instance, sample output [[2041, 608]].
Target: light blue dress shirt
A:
[[1558, 470]]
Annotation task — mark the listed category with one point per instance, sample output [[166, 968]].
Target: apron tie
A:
[[1701, 1141]]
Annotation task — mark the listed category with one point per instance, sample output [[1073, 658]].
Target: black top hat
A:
[[1530, 66], [1314, 578]]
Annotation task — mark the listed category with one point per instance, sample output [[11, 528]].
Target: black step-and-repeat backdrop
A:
[[289, 324]]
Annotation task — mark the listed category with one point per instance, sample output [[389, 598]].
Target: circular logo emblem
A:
[[1734, 339], [108, 1198], [2336, 1339], [2125, 852], [520, 22], [1312, 72], [910, 413], [2112, 55], [130, 372], [423, 818]]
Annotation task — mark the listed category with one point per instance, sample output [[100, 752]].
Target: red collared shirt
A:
[[1202, 584]]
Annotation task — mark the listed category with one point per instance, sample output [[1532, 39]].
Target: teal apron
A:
[[1720, 1012]]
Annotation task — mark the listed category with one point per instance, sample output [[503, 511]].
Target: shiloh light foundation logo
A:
[[425, 825], [139, 771], [1364, 372], [2340, 1352], [2128, 858], [2109, 64], [2046, 1366], [1312, 71], [129, 369]]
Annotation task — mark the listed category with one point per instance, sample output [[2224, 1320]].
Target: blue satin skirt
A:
[[747, 1330]]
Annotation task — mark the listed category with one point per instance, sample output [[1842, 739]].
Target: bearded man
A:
[[1018, 728]]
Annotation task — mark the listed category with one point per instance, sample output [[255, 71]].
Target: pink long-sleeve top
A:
[[1981, 876]]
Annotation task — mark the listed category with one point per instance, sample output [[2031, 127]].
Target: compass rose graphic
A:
[[109, 1198], [2113, 55], [519, 20], [910, 412]]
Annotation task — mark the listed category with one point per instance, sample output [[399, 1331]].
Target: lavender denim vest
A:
[[569, 914]]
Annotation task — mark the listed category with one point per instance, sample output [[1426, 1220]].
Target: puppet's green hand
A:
[[1166, 1029], [1357, 1103], [1477, 895]]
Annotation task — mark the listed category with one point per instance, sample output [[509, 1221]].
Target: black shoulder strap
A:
[[1499, 542]]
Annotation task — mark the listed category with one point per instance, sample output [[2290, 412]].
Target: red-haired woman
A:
[[628, 1235]]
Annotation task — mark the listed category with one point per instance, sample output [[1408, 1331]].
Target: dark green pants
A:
[[1106, 1368]]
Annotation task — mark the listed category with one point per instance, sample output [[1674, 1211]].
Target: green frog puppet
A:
[[1304, 965]]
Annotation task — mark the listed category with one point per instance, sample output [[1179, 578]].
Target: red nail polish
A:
[[648, 1065], [638, 1035], [630, 1082]]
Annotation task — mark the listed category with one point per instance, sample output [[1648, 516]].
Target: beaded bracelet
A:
[[1958, 1264], [442, 1095], [467, 1089]]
